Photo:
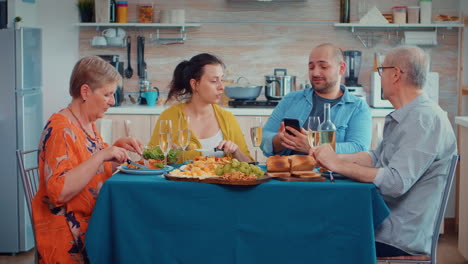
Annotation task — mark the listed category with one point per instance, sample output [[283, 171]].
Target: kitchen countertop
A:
[[461, 120], [156, 110]]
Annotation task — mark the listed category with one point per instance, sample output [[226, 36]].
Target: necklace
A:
[[95, 138]]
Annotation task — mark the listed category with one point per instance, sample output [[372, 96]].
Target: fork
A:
[[332, 179]]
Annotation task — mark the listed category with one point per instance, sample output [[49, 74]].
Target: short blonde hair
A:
[[93, 71]]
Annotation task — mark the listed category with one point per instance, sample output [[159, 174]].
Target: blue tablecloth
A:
[[148, 219]]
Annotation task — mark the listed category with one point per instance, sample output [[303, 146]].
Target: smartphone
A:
[[290, 122]]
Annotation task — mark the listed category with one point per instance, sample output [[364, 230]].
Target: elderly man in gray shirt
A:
[[410, 166]]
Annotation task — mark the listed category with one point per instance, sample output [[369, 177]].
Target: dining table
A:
[[149, 219]]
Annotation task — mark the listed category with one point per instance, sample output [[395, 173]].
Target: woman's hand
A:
[[115, 154], [228, 147], [297, 141], [131, 144]]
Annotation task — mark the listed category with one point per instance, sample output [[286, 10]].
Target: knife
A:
[[137, 164], [213, 149]]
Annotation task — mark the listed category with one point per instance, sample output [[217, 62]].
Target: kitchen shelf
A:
[[152, 25], [159, 40], [368, 30], [354, 26]]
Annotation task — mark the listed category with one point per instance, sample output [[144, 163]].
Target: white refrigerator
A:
[[20, 128]]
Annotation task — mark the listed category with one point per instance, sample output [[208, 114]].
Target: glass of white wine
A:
[[256, 133], [165, 138], [313, 131], [184, 134]]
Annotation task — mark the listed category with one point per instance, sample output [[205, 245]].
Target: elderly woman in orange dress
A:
[[74, 162]]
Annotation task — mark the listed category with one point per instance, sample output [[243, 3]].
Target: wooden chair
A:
[[432, 258], [30, 178]]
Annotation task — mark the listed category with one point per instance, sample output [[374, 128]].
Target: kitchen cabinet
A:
[[140, 126]]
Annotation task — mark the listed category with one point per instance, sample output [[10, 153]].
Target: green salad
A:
[[156, 153]]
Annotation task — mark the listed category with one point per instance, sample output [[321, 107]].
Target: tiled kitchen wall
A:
[[253, 38]]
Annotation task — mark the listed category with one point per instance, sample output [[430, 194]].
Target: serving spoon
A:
[[128, 71]]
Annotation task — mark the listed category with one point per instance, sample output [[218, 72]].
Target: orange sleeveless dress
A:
[[60, 228]]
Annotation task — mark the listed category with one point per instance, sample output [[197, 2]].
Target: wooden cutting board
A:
[[218, 180], [314, 179]]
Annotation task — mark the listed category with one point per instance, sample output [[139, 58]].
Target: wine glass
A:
[[184, 134], [313, 133], [165, 138], [256, 132]]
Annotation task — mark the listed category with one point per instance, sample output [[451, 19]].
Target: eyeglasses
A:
[[381, 68]]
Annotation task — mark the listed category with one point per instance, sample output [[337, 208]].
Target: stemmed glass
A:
[[313, 133], [184, 134], [256, 132], [165, 138]]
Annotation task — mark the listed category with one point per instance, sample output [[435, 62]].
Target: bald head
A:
[[333, 51], [413, 61]]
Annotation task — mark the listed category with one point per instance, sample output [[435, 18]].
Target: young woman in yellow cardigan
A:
[[198, 85]]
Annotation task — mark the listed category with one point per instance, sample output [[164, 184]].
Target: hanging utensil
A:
[[128, 70], [141, 56]]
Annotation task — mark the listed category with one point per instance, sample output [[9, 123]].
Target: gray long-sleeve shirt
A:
[[414, 159]]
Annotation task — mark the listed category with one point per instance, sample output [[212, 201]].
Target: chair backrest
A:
[[29, 174], [439, 218], [443, 206]]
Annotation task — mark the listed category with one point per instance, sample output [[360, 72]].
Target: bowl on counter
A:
[[243, 92]]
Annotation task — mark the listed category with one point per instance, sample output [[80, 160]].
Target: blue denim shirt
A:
[[351, 117]]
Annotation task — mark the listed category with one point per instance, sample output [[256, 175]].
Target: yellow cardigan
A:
[[226, 120]]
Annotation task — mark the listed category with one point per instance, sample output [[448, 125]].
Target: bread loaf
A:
[[278, 164], [302, 163]]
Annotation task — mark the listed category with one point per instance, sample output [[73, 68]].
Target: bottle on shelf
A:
[[122, 11], [344, 11], [425, 11], [113, 11], [327, 128]]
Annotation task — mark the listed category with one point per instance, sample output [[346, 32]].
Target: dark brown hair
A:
[[93, 71], [180, 88]]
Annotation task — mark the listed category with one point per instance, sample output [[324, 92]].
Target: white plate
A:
[[182, 168], [124, 169]]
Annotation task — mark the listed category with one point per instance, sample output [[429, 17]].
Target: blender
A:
[[353, 65]]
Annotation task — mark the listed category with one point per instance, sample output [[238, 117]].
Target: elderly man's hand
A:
[[326, 157], [297, 141]]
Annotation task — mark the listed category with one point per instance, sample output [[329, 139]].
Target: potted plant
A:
[[18, 20], [86, 8]]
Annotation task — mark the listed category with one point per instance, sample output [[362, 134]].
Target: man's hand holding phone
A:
[[295, 137]]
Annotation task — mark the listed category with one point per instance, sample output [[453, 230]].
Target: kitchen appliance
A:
[[277, 86], [243, 92], [20, 128], [252, 103], [119, 66], [377, 100], [353, 66]]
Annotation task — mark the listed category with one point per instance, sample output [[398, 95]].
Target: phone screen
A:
[[290, 122]]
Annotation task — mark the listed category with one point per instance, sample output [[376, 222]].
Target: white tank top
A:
[[211, 143]]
